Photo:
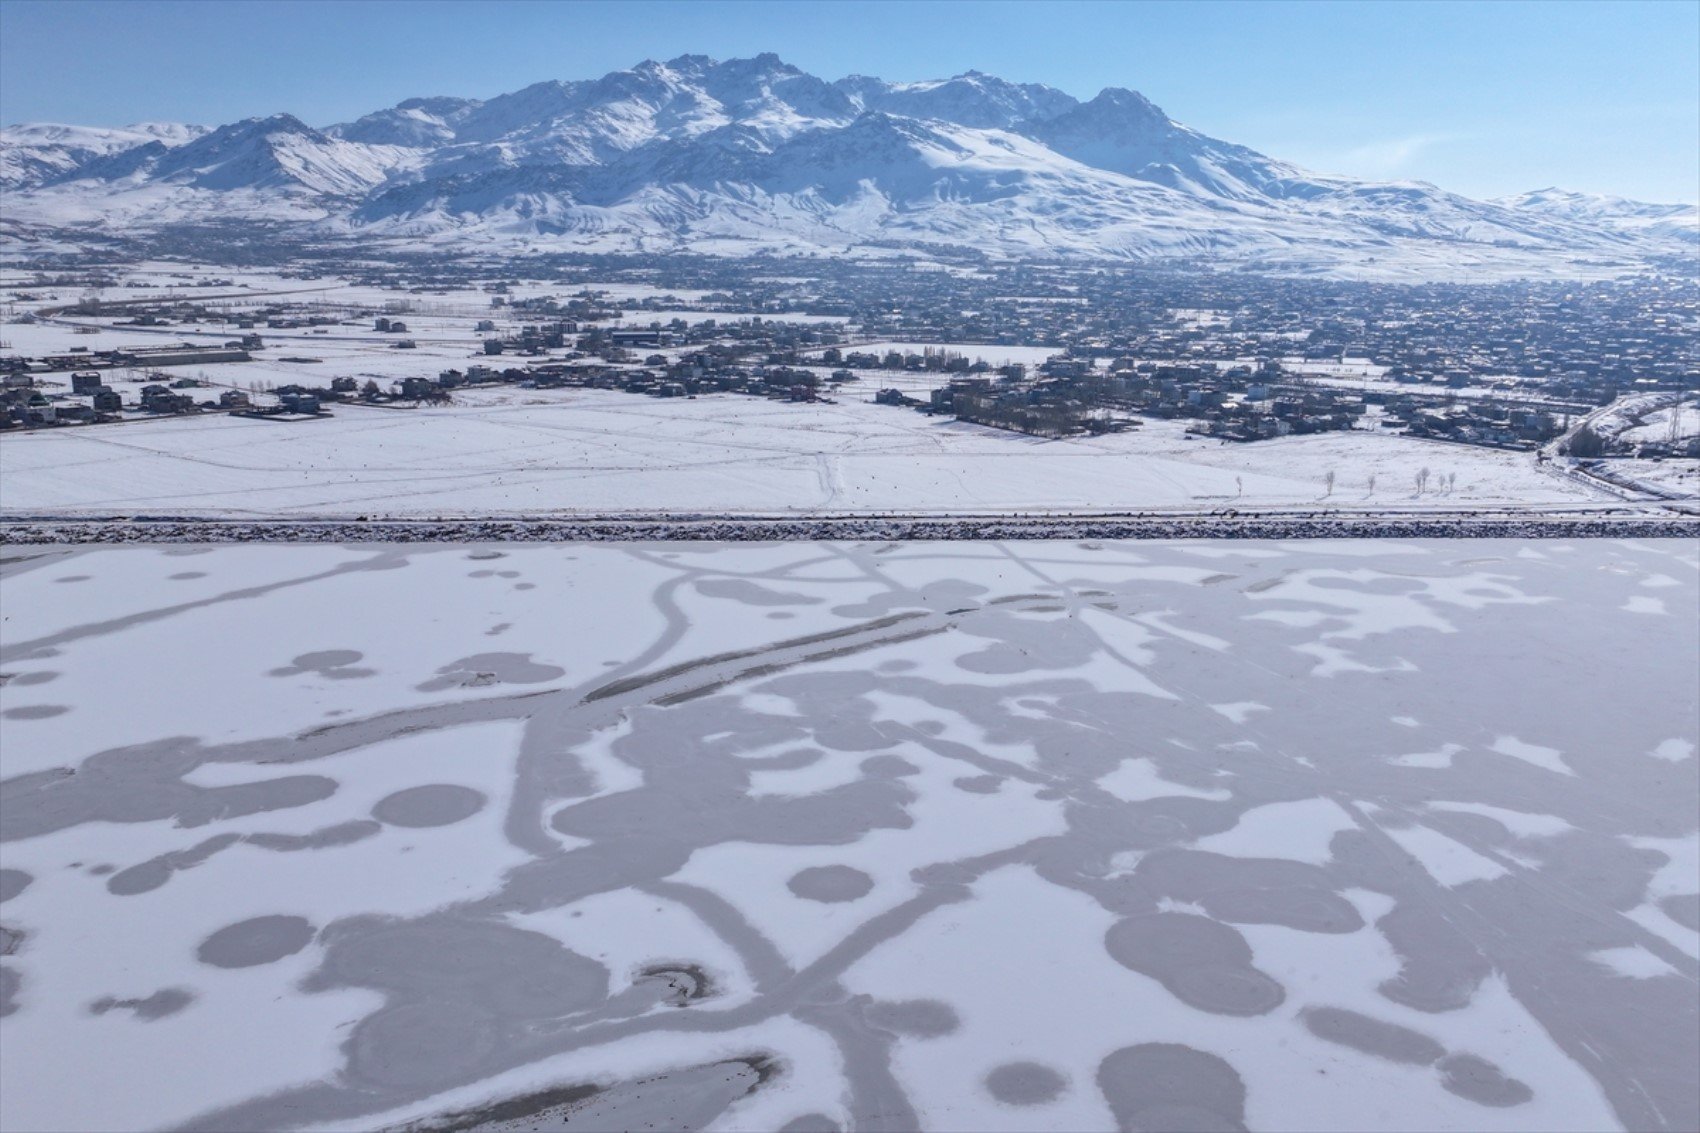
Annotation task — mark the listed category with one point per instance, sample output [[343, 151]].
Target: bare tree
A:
[[1239, 488], [1371, 483], [1328, 479], [1451, 482], [1586, 444], [1422, 479]]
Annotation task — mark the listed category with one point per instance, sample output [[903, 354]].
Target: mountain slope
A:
[[38, 152], [1680, 222], [754, 154]]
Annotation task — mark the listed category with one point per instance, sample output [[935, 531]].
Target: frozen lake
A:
[[1333, 835]]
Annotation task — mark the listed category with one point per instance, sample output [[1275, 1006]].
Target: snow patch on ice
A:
[[1239, 711], [1433, 760], [1520, 823], [1137, 779], [1546, 758], [1449, 862], [1634, 961], [1673, 750], [1300, 831]]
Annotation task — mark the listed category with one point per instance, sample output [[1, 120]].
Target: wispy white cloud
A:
[[1391, 157]]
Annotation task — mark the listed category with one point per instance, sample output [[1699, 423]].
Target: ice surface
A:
[[1057, 835]]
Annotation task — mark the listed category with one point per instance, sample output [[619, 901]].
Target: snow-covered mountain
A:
[[745, 155], [34, 153], [1678, 221]]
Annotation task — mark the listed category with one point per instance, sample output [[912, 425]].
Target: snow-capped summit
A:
[[38, 151], [1125, 132], [1676, 221], [968, 99], [418, 122], [279, 152], [735, 155]]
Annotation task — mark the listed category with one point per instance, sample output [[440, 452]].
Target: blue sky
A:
[[1482, 98]]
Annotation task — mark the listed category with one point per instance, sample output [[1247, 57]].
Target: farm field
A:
[[514, 451]]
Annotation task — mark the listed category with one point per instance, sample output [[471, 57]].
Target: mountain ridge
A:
[[747, 155]]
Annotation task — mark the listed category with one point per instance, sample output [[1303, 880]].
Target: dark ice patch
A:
[[12, 883], [1252, 890], [513, 972], [1169, 1088], [258, 940], [1025, 1083], [418, 1044], [946, 594], [166, 1001], [1684, 909], [690, 1097], [35, 711], [830, 884], [1306, 909], [434, 804], [333, 664], [1478, 1080], [753, 593], [1372, 1036], [341, 834], [916, 1018], [10, 983], [888, 767], [151, 874], [811, 1123], [1201, 962], [482, 669]]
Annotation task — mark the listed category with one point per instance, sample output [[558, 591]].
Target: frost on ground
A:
[[1329, 835]]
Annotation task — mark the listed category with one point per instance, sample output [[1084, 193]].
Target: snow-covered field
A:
[[1677, 477], [1337, 835], [1658, 425], [513, 451]]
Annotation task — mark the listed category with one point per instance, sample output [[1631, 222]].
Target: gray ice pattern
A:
[[1069, 835]]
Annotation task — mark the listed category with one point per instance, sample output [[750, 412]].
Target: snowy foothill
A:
[[1333, 835]]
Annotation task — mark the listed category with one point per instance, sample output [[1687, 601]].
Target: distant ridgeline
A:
[[755, 155]]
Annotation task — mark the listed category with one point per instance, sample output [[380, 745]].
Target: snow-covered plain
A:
[[1338, 835], [511, 451]]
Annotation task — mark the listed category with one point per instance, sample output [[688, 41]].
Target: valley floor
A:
[[513, 451]]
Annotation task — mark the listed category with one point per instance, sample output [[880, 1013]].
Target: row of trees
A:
[[1422, 478], [1047, 419]]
